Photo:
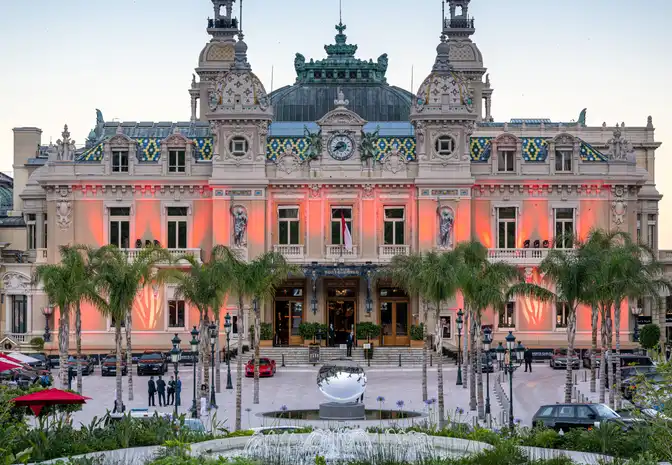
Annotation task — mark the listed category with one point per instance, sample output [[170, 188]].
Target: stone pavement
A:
[[295, 388]]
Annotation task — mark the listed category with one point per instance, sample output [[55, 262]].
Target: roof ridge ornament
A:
[[341, 101]]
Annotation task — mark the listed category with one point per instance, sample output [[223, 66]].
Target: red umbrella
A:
[[7, 365], [38, 400], [8, 359]]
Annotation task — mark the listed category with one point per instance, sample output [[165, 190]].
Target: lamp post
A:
[[636, 311], [175, 355], [213, 339], [516, 352], [487, 340], [194, 351], [227, 329], [47, 312], [460, 322]]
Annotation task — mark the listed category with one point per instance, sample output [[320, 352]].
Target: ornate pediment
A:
[[176, 139], [341, 117], [15, 281], [564, 139], [506, 140]]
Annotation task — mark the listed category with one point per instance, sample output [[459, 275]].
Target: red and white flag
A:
[[347, 237]]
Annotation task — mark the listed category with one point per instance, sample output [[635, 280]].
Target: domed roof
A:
[[238, 87], [6, 194], [363, 83], [444, 88]]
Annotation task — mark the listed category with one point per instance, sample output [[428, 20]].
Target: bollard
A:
[[399, 359], [430, 359], [575, 379], [283, 360]]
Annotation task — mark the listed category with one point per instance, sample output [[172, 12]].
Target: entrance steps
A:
[[382, 356]]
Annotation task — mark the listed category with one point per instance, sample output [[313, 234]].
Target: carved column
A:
[[39, 231], [193, 108], [488, 108]]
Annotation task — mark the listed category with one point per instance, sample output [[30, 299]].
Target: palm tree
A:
[[67, 284], [120, 280], [404, 271]]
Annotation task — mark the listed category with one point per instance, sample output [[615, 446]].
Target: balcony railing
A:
[[518, 256], [291, 252], [174, 253], [337, 251], [19, 337], [386, 252]]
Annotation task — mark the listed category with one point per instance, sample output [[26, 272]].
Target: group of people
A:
[[349, 341], [159, 387]]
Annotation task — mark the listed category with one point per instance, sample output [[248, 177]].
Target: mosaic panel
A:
[[95, 153], [535, 149], [203, 148], [480, 149], [406, 146], [589, 153], [275, 146], [149, 149]]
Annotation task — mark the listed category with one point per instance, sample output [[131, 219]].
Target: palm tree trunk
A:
[[239, 366], [119, 386], [78, 343], [465, 352], [257, 337], [593, 346], [206, 351], [610, 367], [218, 355], [424, 352], [202, 349], [63, 346], [129, 352], [617, 358], [472, 366], [439, 370], [479, 370], [603, 351], [571, 335]]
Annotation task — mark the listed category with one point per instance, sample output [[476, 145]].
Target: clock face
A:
[[341, 147]]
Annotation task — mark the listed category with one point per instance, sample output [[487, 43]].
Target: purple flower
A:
[[400, 403], [459, 410], [428, 402], [517, 421], [283, 408], [380, 399]]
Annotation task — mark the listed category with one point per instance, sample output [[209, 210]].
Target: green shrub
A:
[[366, 330], [307, 331], [266, 332], [649, 336], [418, 332], [37, 343]]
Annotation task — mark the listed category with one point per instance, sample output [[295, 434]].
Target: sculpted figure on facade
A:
[[446, 226], [65, 147], [394, 160], [239, 214], [64, 214], [299, 62], [368, 148], [214, 130], [382, 63], [314, 142], [620, 149], [619, 206], [341, 100]]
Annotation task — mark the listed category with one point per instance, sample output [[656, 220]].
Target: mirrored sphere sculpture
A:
[[341, 381]]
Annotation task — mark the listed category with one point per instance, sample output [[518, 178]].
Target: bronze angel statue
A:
[[314, 142], [368, 146]]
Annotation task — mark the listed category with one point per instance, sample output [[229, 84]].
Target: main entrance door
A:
[[394, 317], [288, 314], [341, 308]]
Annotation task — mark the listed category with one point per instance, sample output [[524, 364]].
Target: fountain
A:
[[343, 383]]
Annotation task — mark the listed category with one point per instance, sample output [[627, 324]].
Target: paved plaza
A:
[[295, 388]]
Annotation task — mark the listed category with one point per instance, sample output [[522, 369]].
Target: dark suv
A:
[[42, 363], [152, 363], [567, 416], [629, 386], [87, 363], [559, 359], [109, 366]]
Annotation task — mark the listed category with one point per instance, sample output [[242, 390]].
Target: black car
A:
[[630, 367], [629, 385], [489, 367], [109, 366], [43, 362], [87, 363], [560, 357], [152, 363], [568, 416]]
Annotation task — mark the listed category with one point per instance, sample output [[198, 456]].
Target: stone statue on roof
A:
[[582, 117], [620, 148], [382, 63], [65, 147], [299, 62]]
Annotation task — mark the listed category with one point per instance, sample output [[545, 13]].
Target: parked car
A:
[[632, 369], [586, 358], [629, 385], [560, 357], [568, 416], [43, 362], [88, 365], [109, 366], [489, 367], [266, 368], [152, 363]]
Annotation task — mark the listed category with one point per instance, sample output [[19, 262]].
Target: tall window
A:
[[177, 161], [507, 316], [563, 160], [19, 314], [564, 228], [505, 161], [120, 161], [234, 324], [120, 226], [561, 314], [651, 231], [32, 231], [394, 225], [45, 230], [506, 228], [176, 313], [177, 227], [337, 213], [639, 227], [288, 225]]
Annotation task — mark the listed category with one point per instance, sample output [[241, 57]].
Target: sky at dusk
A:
[[133, 59]]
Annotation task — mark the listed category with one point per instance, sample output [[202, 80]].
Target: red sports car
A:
[[266, 368]]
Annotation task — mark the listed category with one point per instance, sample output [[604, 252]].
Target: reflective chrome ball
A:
[[341, 381]]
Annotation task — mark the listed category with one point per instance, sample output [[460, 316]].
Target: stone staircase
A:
[[382, 356]]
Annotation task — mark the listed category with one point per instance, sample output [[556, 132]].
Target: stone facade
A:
[[236, 176]]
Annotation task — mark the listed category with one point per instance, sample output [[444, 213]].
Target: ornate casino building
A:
[[406, 171]]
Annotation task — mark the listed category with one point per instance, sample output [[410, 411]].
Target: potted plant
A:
[[307, 332], [266, 335], [418, 335], [367, 332], [321, 332]]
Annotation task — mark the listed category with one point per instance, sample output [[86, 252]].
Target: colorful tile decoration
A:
[[406, 146], [275, 146], [203, 149], [149, 149], [95, 153], [589, 153], [535, 149], [480, 149]]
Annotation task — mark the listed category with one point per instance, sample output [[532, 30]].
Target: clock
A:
[[341, 147]]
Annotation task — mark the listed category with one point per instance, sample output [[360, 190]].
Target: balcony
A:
[[386, 252], [518, 256], [339, 252], [291, 252], [174, 253], [21, 338]]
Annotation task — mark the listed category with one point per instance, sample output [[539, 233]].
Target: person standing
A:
[[528, 359], [350, 341], [161, 389], [151, 390], [171, 391], [178, 391], [332, 336]]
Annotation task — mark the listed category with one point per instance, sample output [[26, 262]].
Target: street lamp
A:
[[175, 355], [460, 322], [194, 352], [227, 329], [213, 340], [636, 310], [47, 312], [487, 341], [516, 352]]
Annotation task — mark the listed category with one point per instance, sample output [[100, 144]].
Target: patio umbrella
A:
[[8, 359], [7, 365], [22, 357], [38, 400]]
